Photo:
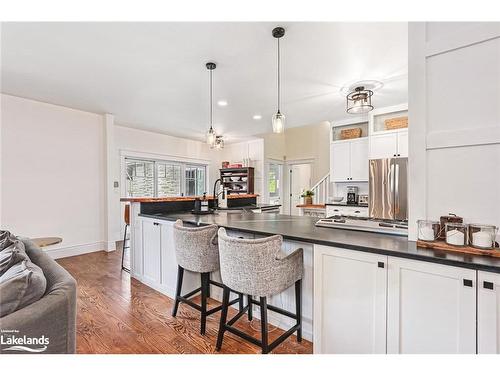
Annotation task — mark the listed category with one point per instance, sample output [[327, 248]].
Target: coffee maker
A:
[[352, 195]]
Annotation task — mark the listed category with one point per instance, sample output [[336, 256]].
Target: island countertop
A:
[[182, 199], [302, 229]]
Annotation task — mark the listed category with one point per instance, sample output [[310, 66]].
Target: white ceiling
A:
[[153, 76]]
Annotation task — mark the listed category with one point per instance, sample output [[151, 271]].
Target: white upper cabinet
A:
[[488, 313], [431, 308], [340, 161], [349, 301], [383, 146], [386, 142], [403, 144], [349, 160]]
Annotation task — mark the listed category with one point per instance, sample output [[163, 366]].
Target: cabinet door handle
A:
[[487, 285], [468, 282], [381, 265], [156, 223]]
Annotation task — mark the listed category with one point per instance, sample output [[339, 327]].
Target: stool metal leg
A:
[[250, 308], [298, 308], [180, 275], [263, 324], [205, 277], [124, 247], [240, 304], [223, 318]]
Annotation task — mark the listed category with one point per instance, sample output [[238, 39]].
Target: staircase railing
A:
[[321, 190]]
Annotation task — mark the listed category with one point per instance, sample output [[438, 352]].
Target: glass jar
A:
[[482, 236], [428, 230], [456, 234]]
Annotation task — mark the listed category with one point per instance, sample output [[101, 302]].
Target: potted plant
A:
[[308, 196]]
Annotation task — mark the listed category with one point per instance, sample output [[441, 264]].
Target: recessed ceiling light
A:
[[257, 117], [222, 103]]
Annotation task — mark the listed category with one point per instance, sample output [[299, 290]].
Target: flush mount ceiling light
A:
[[222, 103], [359, 95], [278, 118], [359, 100], [211, 135], [219, 142], [257, 117]]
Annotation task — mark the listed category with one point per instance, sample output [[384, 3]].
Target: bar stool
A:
[[196, 250], [126, 218], [259, 268]]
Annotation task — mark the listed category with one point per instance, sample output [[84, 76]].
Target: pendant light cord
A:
[[279, 83], [211, 101]]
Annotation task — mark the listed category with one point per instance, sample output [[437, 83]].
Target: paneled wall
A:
[[454, 107]]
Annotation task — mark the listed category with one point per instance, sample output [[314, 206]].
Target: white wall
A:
[[454, 107], [53, 174]]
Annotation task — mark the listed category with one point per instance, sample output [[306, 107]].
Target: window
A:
[[274, 182], [158, 178]]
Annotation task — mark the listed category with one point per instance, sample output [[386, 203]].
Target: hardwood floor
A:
[[118, 314]]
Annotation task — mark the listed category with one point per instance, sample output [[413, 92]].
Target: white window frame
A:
[[158, 158]]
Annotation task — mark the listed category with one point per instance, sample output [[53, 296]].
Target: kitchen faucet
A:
[[216, 195]]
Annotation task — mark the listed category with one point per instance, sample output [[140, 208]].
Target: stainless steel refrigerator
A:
[[388, 191]]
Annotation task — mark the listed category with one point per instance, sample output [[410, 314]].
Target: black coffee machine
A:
[[352, 195]]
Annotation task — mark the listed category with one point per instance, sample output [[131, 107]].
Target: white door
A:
[[383, 146], [349, 301], [151, 248], [431, 308], [403, 144], [488, 313], [300, 180], [359, 160], [340, 161]]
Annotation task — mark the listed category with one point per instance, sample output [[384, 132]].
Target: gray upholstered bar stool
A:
[[259, 268], [196, 250]]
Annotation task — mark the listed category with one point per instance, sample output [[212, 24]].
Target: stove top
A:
[[365, 224]]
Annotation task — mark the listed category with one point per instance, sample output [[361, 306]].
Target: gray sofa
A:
[[54, 315]]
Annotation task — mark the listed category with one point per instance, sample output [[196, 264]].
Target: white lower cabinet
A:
[[488, 313], [151, 255], [431, 308], [349, 301]]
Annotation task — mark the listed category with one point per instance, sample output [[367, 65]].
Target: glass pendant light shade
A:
[[278, 122], [359, 101], [211, 137]]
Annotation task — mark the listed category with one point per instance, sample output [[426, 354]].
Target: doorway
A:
[[299, 180]]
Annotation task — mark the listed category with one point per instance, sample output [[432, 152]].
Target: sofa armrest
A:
[[53, 316]]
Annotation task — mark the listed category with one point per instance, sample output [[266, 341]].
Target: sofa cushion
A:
[[11, 255], [22, 284]]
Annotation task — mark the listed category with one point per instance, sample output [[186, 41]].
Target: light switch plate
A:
[[115, 184]]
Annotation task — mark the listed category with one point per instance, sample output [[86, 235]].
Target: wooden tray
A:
[[441, 245]]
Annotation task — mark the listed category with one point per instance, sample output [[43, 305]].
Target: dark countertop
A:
[[346, 205], [302, 229]]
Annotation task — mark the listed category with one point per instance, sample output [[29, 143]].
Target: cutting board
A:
[[443, 246]]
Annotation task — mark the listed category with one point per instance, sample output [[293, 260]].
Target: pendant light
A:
[[211, 135], [359, 100], [278, 118]]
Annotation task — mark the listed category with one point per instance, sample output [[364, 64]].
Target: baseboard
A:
[[110, 246], [69, 251]]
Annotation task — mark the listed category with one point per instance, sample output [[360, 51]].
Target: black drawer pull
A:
[[468, 282], [487, 285], [381, 265]]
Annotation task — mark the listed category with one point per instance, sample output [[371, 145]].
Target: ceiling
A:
[[152, 76]]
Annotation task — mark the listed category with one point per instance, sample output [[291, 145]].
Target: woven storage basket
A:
[[396, 123], [350, 133]]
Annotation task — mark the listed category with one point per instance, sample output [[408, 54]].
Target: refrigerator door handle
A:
[[391, 179], [396, 191]]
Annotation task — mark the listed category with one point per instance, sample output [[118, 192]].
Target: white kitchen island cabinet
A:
[[431, 308], [349, 301], [488, 313]]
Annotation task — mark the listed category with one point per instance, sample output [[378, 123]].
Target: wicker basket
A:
[[396, 123], [350, 133]]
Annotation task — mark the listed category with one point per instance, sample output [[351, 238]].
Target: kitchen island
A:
[[362, 292]]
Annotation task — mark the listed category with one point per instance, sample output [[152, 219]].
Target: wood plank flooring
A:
[[118, 314]]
